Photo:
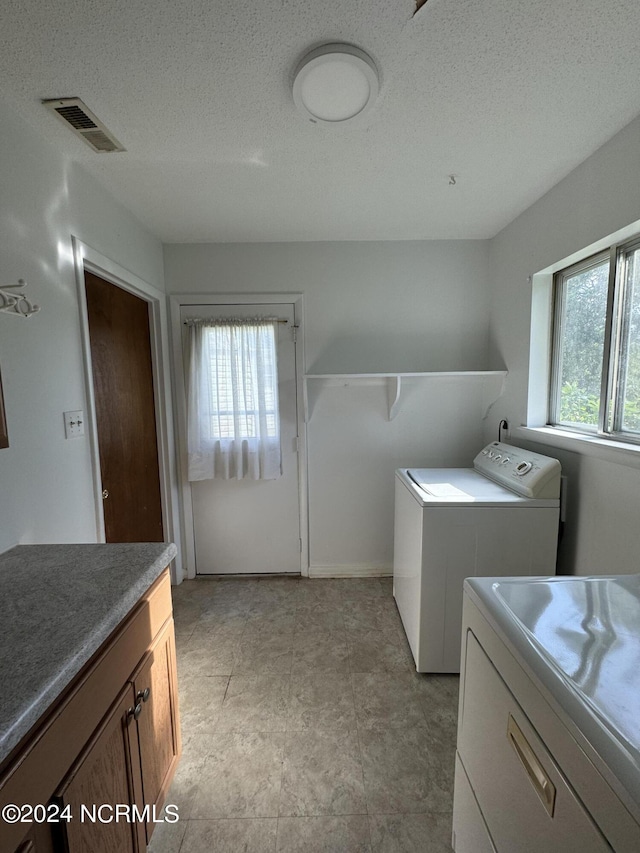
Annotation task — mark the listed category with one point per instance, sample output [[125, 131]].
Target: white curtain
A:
[[233, 423]]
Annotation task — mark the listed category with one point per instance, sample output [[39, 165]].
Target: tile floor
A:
[[305, 726]]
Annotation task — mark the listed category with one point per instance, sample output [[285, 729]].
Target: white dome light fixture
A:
[[335, 84]]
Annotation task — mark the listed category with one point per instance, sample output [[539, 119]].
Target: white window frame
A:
[[609, 424], [559, 279], [621, 448]]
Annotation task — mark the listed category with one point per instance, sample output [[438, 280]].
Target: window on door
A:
[[241, 361], [233, 419]]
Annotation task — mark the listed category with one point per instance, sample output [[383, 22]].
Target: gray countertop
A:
[[581, 638], [58, 604]]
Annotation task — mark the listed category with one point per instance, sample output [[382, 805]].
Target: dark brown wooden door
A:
[[125, 412]]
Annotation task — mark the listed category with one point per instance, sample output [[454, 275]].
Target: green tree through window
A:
[[596, 357]]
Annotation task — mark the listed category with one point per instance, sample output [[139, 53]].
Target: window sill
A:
[[617, 452]]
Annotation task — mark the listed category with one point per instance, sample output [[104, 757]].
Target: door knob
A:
[[105, 494]]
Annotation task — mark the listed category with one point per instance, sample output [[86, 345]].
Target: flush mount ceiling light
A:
[[335, 83]]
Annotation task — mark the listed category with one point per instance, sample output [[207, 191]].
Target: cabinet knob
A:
[[144, 694], [105, 494], [135, 712]]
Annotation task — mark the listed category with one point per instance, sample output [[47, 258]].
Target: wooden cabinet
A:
[[103, 775], [39, 840], [159, 747], [112, 740], [130, 761]]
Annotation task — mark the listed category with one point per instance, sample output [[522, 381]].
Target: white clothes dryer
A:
[[454, 523]]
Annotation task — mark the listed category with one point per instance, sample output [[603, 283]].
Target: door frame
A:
[[179, 301], [89, 259]]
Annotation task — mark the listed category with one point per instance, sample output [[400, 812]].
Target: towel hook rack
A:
[[16, 303]]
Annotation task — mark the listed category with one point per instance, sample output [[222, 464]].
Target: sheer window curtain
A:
[[233, 422]]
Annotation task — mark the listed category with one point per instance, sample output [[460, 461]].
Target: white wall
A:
[[369, 307], [45, 481], [597, 199]]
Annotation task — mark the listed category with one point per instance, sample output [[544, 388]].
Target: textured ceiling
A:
[[508, 95]]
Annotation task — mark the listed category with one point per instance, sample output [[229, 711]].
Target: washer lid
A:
[[461, 487]]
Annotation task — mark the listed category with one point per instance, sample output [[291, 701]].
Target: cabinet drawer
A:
[[525, 800], [160, 606]]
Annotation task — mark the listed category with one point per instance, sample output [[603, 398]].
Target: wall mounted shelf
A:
[[393, 382]]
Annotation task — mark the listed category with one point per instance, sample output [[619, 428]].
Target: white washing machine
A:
[[499, 518]]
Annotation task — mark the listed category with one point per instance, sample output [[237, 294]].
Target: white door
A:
[[253, 526]]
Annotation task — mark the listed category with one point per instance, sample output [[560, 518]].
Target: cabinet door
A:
[[155, 685], [39, 840], [105, 775]]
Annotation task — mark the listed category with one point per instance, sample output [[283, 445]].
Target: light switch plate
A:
[[73, 424]]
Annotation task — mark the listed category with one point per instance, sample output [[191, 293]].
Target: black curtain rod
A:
[[277, 320]]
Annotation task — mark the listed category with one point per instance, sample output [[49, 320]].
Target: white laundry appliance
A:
[[497, 519]]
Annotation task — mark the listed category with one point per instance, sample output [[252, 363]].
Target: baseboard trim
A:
[[363, 570]]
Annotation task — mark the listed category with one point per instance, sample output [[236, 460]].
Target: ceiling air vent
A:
[[84, 124]]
